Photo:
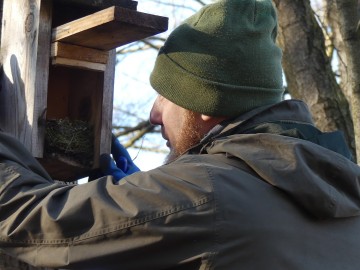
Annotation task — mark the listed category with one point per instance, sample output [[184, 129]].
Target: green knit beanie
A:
[[223, 60]]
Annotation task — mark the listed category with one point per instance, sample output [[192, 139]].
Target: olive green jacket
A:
[[259, 192]]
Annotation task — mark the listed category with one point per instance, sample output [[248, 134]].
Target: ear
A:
[[206, 118], [212, 119]]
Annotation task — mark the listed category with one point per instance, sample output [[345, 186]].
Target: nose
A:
[[155, 113]]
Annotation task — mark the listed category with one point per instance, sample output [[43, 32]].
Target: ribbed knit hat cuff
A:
[[205, 96]]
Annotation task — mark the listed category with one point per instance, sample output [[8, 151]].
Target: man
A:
[[250, 183]]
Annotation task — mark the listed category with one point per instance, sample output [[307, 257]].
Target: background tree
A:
[[321, 46], [311, 39]]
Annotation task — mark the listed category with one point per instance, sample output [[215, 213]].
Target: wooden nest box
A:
[[58, 59]]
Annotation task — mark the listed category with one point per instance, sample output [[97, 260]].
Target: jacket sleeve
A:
[[151, 220]]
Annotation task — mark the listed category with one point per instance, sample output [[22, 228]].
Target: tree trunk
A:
[[308, 69], [343, 17]]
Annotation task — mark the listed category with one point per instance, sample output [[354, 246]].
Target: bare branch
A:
[[151, 45], [131, 114], [135, 47], [157, 38], [200, 2], [176, 5], [154, 42], [141, 126], [139, 135], [152, 149]]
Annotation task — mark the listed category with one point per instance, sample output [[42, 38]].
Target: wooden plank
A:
[[107, 107], [41, 77], [78, 63], [21, 101], [68, 51], [100, 3], [63, 170], [110, 28], [21, 97], [59, 89]]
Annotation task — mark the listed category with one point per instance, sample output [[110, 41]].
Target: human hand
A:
[[122, 157], [120, 165]]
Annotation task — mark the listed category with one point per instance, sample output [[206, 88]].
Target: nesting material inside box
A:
[[70, 141]]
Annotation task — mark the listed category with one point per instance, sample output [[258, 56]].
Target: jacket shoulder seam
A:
[[113, 228]]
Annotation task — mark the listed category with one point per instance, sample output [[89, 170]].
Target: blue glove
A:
[[122, 157], [121, 165], [108, 167]]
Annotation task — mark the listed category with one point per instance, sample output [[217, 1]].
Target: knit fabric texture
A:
[[223, 60]]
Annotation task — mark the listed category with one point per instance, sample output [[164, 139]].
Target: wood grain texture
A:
[[41, 77], [59, 61], [110, 28], [63, 50], [23, 91], [107, 106]]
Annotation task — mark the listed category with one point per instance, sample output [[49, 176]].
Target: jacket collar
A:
[[287, 110]]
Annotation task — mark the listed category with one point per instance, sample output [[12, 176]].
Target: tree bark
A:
[[343, 18], [308, 69]]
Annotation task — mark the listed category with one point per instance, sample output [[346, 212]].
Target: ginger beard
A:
[[190, 135]]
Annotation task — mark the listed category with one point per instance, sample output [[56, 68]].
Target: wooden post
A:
[[24, 83]]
